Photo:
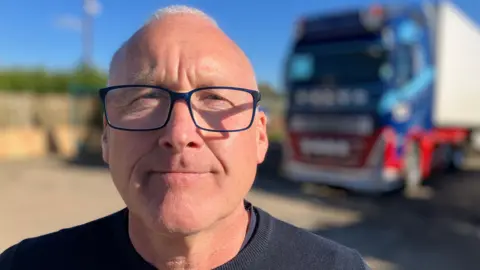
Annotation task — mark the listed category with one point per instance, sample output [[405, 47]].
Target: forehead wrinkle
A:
[[161, 65], [208, 71], [181, 70]]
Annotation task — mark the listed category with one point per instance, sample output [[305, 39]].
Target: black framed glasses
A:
[[146, 107]]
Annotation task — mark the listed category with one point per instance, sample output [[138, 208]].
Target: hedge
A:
[[41, 80]]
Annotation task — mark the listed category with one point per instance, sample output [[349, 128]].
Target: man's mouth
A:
[[179, 172]]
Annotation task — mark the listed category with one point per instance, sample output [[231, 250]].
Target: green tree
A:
[[89, 77]]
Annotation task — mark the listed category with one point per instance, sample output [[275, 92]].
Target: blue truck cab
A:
[[360, 87]]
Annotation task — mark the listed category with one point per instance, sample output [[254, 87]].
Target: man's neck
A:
[[203, 250]]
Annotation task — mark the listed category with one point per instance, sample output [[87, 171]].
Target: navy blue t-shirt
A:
[[251, 224], [105, 244]]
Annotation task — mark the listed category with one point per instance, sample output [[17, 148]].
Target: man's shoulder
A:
[[61, 245], [303, 245], [92, 231]]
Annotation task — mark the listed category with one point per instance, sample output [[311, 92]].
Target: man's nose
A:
[[180, 132]]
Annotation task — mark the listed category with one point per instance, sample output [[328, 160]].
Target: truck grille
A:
[[353, 155], [343, 125]]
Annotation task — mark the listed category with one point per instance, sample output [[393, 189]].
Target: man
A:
[[183, 162]]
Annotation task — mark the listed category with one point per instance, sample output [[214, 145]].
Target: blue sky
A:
[[45, 33]]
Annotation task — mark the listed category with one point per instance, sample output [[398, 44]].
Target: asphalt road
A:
[[391, 232]]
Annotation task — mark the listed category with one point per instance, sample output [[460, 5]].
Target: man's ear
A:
[[104, 141], [262, 136]]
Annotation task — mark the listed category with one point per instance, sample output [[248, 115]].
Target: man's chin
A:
[[177, 226], [182, 219]]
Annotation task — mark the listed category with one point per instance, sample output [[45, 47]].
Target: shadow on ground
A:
[[440, 233], [87, 160]]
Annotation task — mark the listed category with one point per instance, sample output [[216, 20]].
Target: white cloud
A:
[[74, 23]]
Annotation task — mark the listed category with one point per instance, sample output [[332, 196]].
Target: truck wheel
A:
[[456, 157], [413, 173]]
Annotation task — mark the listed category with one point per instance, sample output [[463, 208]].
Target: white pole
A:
[[91, 8]]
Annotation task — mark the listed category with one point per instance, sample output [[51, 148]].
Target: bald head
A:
[[180, 45]]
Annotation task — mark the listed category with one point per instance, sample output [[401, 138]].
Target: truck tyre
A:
[[474, 141], [455, 158], [413, 171]]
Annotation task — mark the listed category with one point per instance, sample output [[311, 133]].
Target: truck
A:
[[380, 97]]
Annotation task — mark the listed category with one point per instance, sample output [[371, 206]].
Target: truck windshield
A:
[[340, 63]]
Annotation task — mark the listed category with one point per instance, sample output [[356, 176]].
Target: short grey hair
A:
[[181, 10]]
